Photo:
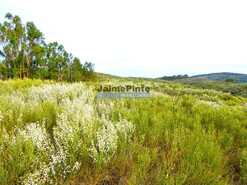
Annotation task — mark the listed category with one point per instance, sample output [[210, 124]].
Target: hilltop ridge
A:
[[223, 76]]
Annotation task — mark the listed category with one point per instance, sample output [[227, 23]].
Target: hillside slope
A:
[[223, 76], [61, 133], [236, 89]]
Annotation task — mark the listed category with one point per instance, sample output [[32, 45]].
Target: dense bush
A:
[[63, 134]]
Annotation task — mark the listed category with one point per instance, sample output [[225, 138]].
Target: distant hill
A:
[[216, 81], [224, 76]]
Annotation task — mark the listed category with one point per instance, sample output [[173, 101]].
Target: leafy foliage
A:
[[25, 54]]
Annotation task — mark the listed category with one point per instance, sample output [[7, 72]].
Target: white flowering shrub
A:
[[50, 164], [125, 128], [19, 149], [63, 134], [43, 148], [50, 143], [37, 134], [106, 139], [106, 144], [59, 93]]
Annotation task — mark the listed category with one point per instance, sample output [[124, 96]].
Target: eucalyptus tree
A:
[[76, 70], [88, 70], [70, 62], [38, 68], [34, 44], [19, 37], [24, 53], [5, 38], [12, 35], [62, 61], [51, 58]]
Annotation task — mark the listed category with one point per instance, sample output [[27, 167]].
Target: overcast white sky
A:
[[148, 38]]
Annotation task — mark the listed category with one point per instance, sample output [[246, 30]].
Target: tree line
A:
[[25, 54], [174, 77]]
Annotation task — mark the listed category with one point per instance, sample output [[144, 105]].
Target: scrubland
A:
[[62, 133]]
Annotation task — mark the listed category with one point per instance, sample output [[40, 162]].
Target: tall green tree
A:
[[88, 71], [58, 60], [12, 35], [24, 53], [19, 38], [76, 70], [6, 41], [34, 44], [62, 61]]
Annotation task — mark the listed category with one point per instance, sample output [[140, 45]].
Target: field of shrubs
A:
[[62, 133]]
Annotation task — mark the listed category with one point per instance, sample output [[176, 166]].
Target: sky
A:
[[144, 38]]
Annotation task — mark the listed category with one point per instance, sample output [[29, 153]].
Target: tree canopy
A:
[[25, 54]]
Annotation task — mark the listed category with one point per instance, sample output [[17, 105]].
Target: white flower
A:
[[37, 134], [107, 139]]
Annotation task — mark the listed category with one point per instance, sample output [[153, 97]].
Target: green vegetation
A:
[[238, 89], [24, 54], [231, 77], [227, 77], [188, 132], [174, 77], [61, 133], [214, 81]]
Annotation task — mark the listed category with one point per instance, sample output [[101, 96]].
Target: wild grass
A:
[[63, 134]]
